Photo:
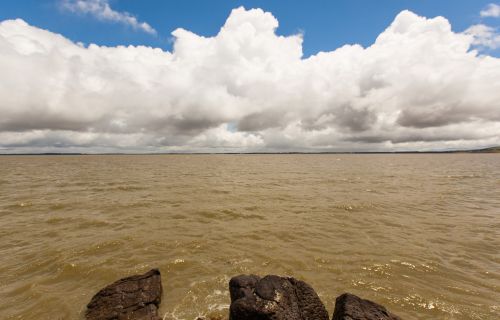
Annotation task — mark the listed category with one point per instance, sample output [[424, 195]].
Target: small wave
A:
[[354, 207], [89, 224], [463, 176]]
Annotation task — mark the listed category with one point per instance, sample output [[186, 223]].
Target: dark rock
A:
[[273, 298], [351, 307], [132, 298], [242, 286]]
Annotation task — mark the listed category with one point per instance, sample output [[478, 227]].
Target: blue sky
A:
[[326, 24]]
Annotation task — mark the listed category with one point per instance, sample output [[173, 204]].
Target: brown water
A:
[[417, 233]]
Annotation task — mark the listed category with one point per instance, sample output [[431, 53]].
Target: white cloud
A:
[[419, 86], [103, 11], [484, 36], [492, 10]]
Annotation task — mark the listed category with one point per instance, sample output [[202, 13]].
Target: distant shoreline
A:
[[484, 150]]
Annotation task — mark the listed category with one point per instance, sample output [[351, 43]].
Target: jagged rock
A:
[[132, 298], [351, 307], [273, 298]]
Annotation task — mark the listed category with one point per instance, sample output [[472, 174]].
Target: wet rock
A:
[[212, 317], [351, 307], [273, 298], [132, 298]]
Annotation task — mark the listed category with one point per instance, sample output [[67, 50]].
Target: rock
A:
[[351, 307], [273, 298], [132, 298]]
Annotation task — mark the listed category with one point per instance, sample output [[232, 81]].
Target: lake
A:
[[417, 233]]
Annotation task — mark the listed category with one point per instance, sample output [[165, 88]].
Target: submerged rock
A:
[[273, 298], [351, 307], [132, 298]]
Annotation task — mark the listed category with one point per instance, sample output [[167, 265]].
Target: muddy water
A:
[[417, 233]]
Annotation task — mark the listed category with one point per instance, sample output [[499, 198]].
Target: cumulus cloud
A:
[[492, 10], [418, 86], [484, 36], [103, 11]]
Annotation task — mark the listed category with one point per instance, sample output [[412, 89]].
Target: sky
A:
[[248, 76]]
